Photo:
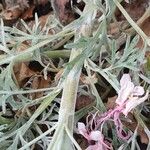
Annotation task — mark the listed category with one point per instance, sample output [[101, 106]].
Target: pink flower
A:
[[127, 1], [96, 136], [129, 95], [115, 116]]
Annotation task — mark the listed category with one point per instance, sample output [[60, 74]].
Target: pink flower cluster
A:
[[97, 136], [129, 96]]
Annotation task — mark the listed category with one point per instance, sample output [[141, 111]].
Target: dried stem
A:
[[132, 23]]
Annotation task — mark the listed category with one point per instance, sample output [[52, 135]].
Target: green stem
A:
[[25, 91], [61, 140], [66, 112], [28, 53], [29, 56], [58, 53], [5, 120]]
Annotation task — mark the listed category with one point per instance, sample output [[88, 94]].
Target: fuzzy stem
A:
[[28, 53], [61, 139], [68, 100], [51, 54]]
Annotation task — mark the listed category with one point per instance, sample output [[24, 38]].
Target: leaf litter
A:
[[60, 73]]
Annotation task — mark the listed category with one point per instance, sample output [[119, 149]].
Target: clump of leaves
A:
[[50, 120]]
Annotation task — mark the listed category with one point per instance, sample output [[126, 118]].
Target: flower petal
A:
[[138, 90], [134, 102], [96, 135], [127, 1], [127, 88], [82, 130], [99, 146], [81, 127], [124, 79], [93, 147]]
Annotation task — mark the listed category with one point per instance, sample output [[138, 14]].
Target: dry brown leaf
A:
[[145, 26], [113, 28], [22, 72], [132, 126], [28, 14], [22, 47], [42, 21], [22, 4], [58, 75], [63, 10], [83, 101], [43, 2], [85, 79], [11, 14], [82, 141], [38, 83], [111, 102], [135, 8], [143, 135]]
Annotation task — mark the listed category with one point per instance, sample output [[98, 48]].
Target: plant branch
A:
[[132, 23]]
